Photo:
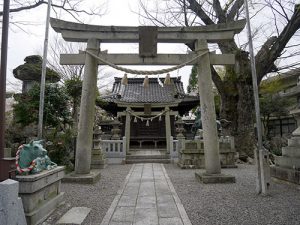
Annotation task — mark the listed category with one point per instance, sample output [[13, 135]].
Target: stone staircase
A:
[[147, 156], [287, 166]]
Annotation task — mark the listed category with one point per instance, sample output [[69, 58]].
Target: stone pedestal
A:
[[192, 156], [287, 166], [40, 194], [11, 208], [98, 157]]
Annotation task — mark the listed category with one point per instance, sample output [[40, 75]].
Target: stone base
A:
[[43, 212], [214, 178], [184, 166], [99, 164], [40, 194], [89, 178], [286, 174]]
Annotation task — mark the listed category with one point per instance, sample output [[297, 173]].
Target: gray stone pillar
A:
[[127, 130], [208, 113], [168, 128], [87, 111]]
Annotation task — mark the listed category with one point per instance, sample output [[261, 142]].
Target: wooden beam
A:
[[134, 59]]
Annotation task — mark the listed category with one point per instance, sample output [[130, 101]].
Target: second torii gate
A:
[[148, 37]]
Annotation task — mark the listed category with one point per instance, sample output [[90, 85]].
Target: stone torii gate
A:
[[148, 37]]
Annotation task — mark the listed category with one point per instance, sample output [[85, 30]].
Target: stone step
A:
[[294, 141], [75, 215], [133, 161], [287, 162], [291, 151], [147, 156]]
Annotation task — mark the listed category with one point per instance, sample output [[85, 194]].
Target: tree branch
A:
[[274, 46], [235, 9], [197, 9], [219, 11], [26, 7]]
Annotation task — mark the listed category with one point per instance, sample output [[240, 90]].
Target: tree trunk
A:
[[237, 108]]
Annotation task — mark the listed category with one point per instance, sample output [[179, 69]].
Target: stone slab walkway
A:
[[147, 197]]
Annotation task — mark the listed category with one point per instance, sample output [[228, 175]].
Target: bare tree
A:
[[75, 8], [278, 26], [72, 75]]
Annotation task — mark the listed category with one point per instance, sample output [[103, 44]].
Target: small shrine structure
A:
[[148, 112]]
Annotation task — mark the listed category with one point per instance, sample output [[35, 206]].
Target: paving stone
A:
[[75, 215], [147, 199], [170, 221], [123, 214], [167, 199], [127, 200], [131, 191], [146, 202], [147, 189], [120, 223], [167, 210], [145, 216]]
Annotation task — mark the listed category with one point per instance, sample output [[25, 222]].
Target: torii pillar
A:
[[208, 115], [86, 119]]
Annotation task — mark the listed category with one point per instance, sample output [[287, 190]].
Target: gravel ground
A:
[[98, 196], [209, 204], [235, 204]]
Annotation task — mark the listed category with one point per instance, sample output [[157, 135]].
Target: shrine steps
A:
[[147, 156]]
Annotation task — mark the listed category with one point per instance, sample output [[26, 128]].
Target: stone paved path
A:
[[146, 198]]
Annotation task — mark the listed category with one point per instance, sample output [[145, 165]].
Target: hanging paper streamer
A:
[[135, 120], [159, 118], [159, 81], [124, 80], [147, 123]]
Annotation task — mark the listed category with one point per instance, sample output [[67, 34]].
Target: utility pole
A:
[[43, 78], [4, 164], [261, 185]]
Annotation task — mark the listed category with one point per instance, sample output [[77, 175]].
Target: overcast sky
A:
[[30, 40], [117, 12]]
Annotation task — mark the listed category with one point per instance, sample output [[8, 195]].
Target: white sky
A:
[[118, 12], [22, 44]]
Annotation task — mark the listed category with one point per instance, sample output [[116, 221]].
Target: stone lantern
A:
[[98, 157], [30, 72], [115, 131], [179, 128]]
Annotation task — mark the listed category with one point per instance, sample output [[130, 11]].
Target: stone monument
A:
[[98, 158]]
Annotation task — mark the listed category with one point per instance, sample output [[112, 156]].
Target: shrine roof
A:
[[135, 92]]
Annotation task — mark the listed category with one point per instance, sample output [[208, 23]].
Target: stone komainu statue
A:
[[32, 158]]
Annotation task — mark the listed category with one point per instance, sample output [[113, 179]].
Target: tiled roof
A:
[[134, 92]]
